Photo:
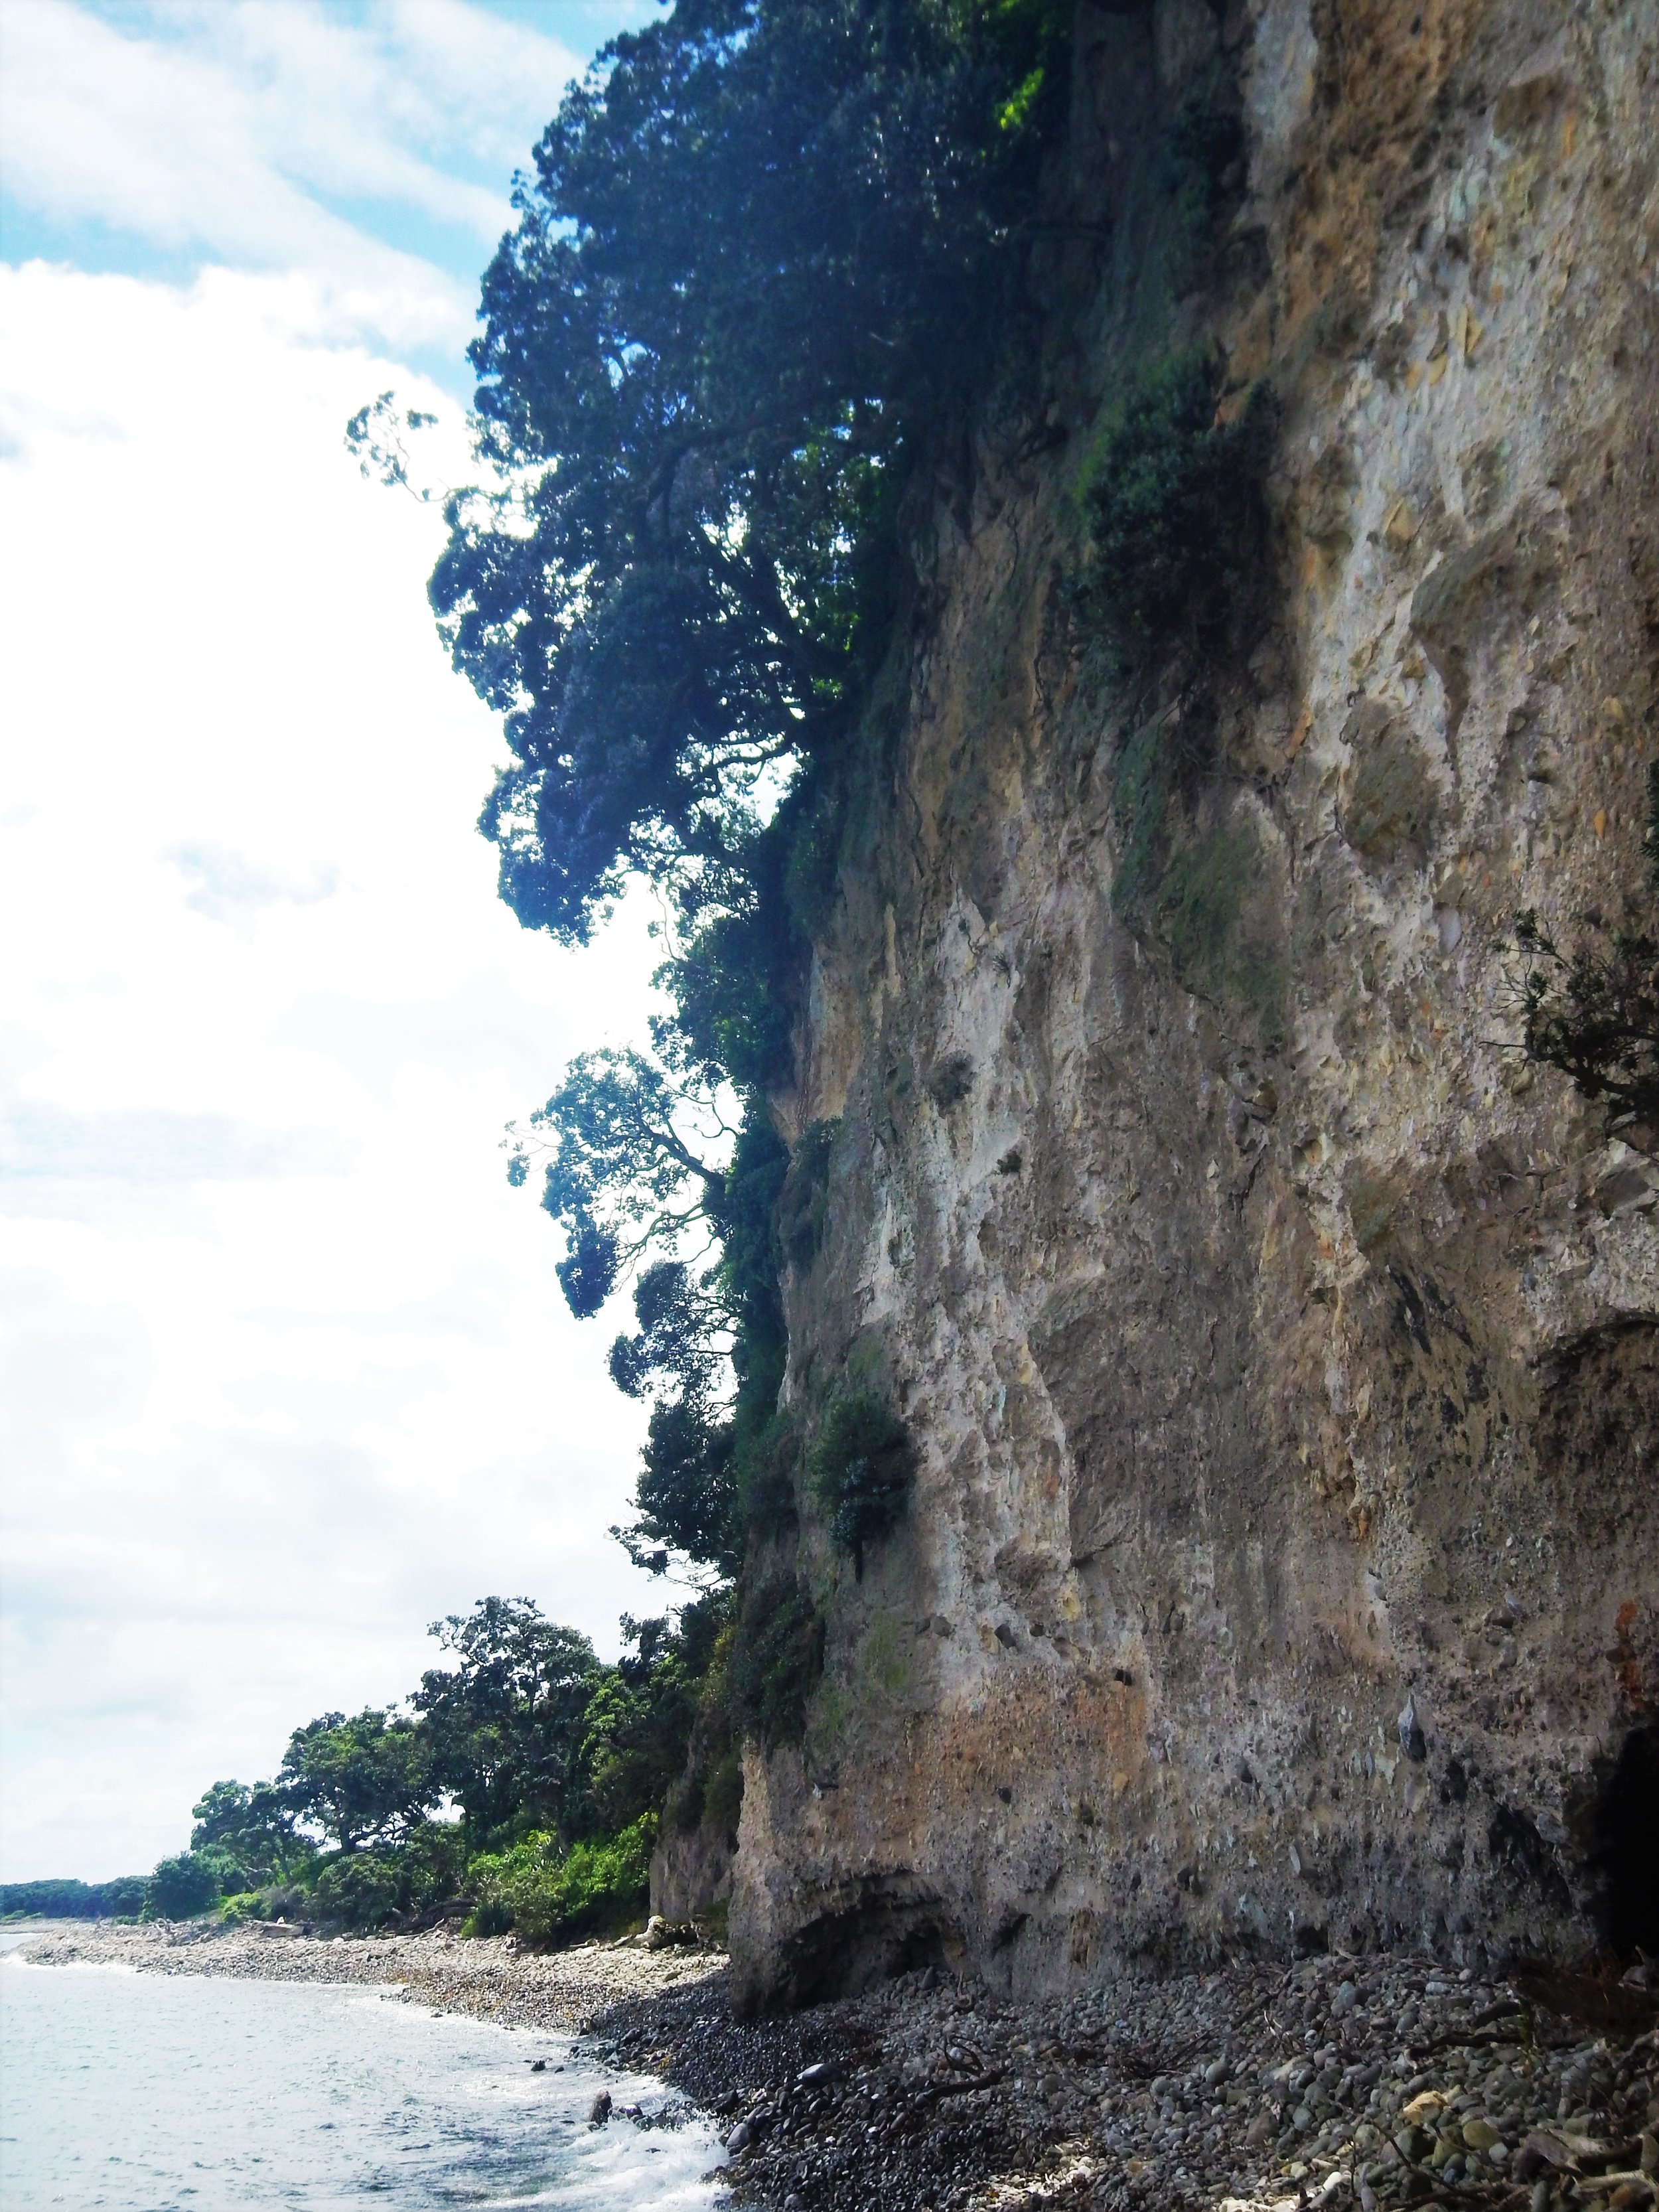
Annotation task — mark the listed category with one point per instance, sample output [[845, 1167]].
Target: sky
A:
[[287, 1374]]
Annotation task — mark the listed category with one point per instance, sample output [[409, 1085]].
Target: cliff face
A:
[[1282, 1351]]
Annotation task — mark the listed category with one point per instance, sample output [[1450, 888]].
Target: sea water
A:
[[178, 2093]]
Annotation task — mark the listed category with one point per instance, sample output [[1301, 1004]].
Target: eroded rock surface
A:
[[1282, 1351]]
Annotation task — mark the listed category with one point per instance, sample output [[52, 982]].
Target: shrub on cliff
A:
[[1171, 500], [1591, 1008], [774, 1661], [863, 1466]]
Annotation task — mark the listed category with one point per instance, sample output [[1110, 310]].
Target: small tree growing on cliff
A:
[[1591, 1008], [863, 1469], [1175, 525]]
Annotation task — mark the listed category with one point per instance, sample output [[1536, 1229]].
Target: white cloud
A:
[[289, 1372], [226, 886], [280, 135]]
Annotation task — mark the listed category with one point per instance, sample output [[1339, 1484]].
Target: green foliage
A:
[[1201, 897], [1145, 779], [1204, 913], [558, 1766], [281, 1900], [768, 242], [248, 1833], [72, 1900], [587, 1273], [862, 1465], [1172, 504], [770, 246], [691, 1328], [767, 1459], [1591, 1008], [1203, 162], [815, 823], [181, 1888], [804, 1212], [679, 1339], [744, 1216], [360, 1890], [774, 1661], [641, 1716], [622, 1175], [363, 1890], [506, 1725], [684, 1494], [736, 981], [722, 1795], [950, 1080], [432, 1860], [360, 1780], [547, 1894]]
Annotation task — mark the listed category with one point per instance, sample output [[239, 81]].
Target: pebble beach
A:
[[1378, 2082]]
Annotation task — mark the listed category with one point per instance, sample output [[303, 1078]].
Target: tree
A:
[[180, 1889], [642, 1714], [361, 1781], [506, 1726], [625, 1177], [770, 250], [73, 1900], [764, 246], [626, 1167], [247, 1833]]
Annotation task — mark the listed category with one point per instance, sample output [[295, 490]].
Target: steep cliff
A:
[[1281, 1350]]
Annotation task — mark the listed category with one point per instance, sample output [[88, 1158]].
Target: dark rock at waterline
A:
[[601, 2109]]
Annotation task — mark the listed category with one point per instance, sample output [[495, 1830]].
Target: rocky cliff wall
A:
[[1282, 1351]]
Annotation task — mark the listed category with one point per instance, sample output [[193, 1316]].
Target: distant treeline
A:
[[73, 1900]]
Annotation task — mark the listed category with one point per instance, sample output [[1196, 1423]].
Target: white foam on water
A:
[[122, 2092]]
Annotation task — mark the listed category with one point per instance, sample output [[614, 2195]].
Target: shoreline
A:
[[1387, 2080], [487, 1976]]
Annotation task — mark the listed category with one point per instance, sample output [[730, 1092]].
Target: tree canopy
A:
[[506, 1724], [362, 1780], [758, 257], [249, 1834]]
